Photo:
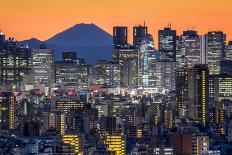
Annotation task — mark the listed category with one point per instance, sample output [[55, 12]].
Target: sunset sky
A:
[[41, 19]]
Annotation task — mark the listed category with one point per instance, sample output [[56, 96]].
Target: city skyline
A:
[[45, 19]]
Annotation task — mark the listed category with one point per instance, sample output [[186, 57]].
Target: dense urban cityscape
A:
[[173, 100]]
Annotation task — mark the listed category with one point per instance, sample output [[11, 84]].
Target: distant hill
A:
[[87, 40]]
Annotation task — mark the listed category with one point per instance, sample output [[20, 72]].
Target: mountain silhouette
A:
[[82, 35], [87, 40]]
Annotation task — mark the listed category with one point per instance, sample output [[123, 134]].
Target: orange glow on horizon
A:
[[42, 19]]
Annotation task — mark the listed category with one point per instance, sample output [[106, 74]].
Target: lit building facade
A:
[[107, 73], [229, 51], [120, 37], [7, 111], [139, 33], [215, 46], [198, 94], [15, 63], [147, 63], [165, 76], [167, 44], [116, 144], [76, 141], [190, 48], [43, 66]]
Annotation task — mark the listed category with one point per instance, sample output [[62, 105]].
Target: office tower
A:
[[7, 111], [204, 55], [165, 76], [120, 37], [190, 47], [71, 72], [200, 144], [198, 94], [226, 67], [43, 66], [167, 44], [215, 46], [67, 73], [2, 40], [229, 51], [116, 144], [54, 120], [182, 90], [14, 63], [139, 33], [221, 87], [77, 141], [108, 125], [69, 56], [107, 73], [147, 64], [225, 87], [66, 103], [181, 143], [168, 118], [128, 60]]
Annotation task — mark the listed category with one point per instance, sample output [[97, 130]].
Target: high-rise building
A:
[[107, 73], [182, 90], [69, 56], [2, 40], [200, 144], [165, 76], [226, 67], [229, 51], [66, 103], [147, 63], [215, 46], [204, 55], [167, 44], [190, 47], [67, 73], [15, 63], [54, 120], [198, 94], [116, 144], [139, 33], [70, 72], [222, 87], [108, 125], [7, 111], [120, 37], [77, 141], [43, 66], [128, 60]]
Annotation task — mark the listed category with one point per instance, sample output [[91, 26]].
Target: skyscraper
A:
[[2, 40], [198, 94], [107, 73], [120, 37], [7, 111], [215, 46], [182, 90], [15, 62], [43, 66], [139, 33], [147, 63], [229, 51], [167, 44], [191, 47]]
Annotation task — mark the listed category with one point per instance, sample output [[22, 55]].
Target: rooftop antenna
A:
[[144, 23]]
